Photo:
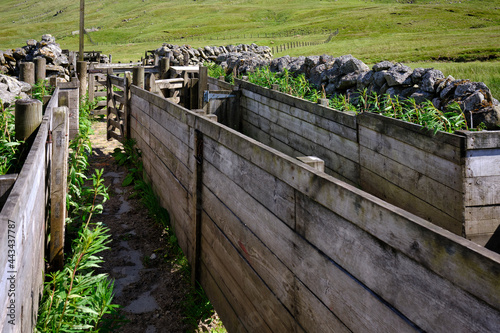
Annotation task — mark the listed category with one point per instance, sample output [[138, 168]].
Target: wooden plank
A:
[[268, 190], [171, 142], [293, 144], [428, 164], [481, 139], [221, 305], [481, 220], [6, 184], [253, 301], [482, 163], [114, 135], [482, 191], [116, 81], [299, 300], [58, 186], [442, 144], [189, 69], [352, 303], [172, 124], [393, 194], [385, 271], [426, 189]]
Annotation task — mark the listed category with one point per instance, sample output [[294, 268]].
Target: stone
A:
[[473, 102], [398, 75], [417, 75], [381, 66], [421, 96], [379, 78], [429, 79], [348, 81]]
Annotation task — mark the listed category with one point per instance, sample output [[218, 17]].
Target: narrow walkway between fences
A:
[[149, 290]]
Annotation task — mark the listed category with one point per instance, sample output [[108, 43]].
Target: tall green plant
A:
[[75, 298], [8, 144]]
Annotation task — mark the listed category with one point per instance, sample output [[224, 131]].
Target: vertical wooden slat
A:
[[58, 184], [198, 209]]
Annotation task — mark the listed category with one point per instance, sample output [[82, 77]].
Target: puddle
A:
[[145, 303]]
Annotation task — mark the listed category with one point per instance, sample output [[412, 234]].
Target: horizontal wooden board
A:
[[268, 190], [221, 304], [428, 164], [482, 139], [445, 145], [261, 310], [352, 303], [256, 92], [292, 144], [482, 163], [393, 194], [386, 270], [482, 191], [310, 312], [426, 189], [481, 220]]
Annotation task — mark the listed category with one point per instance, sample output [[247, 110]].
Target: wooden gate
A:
[[118, 107], [97, 88]]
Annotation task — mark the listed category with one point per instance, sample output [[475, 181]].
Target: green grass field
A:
[[421, 31]]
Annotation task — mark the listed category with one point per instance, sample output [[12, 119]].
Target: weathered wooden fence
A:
[[24, 217], [448, 179], [281, 247]]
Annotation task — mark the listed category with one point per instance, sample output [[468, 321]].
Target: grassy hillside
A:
[[369, 30]]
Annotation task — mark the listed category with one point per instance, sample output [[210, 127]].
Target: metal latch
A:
[[217, 94]]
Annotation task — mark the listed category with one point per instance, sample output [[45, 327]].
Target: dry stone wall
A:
[[348, 75]]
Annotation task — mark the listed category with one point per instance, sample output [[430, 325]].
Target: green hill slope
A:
[[369, 30]]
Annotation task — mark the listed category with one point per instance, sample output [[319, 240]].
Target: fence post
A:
[[81, 70], [28, 117], [198, 206], [126, 106], [27, 72], [164, 67], [138, 76], [40, 68], [58, 185]]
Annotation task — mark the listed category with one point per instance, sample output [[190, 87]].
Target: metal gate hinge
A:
[[207, 95]]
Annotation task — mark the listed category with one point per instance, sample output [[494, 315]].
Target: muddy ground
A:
[[148, 288]]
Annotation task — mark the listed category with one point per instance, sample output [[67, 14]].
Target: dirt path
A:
[[148, 289]]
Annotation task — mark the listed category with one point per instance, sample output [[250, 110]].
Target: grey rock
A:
[[417, 75], [429, 79], [365, 79], [398, 75], [381, 66], [379, 78], [348, 81], [473, 102], [421, 96]]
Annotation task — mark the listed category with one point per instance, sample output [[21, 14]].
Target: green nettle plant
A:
[[75, 298], [8, 144]]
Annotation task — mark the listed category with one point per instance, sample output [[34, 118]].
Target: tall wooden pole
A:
[[82, 29]]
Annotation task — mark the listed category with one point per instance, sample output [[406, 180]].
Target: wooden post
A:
[[58, 185], [82, 30], [40, 68], [91, 87], [164, 67], [202, 85], [27, 72], [126, 106], [28, 117], [81, 69], [138, 76], [275, 87], [198, 207]]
